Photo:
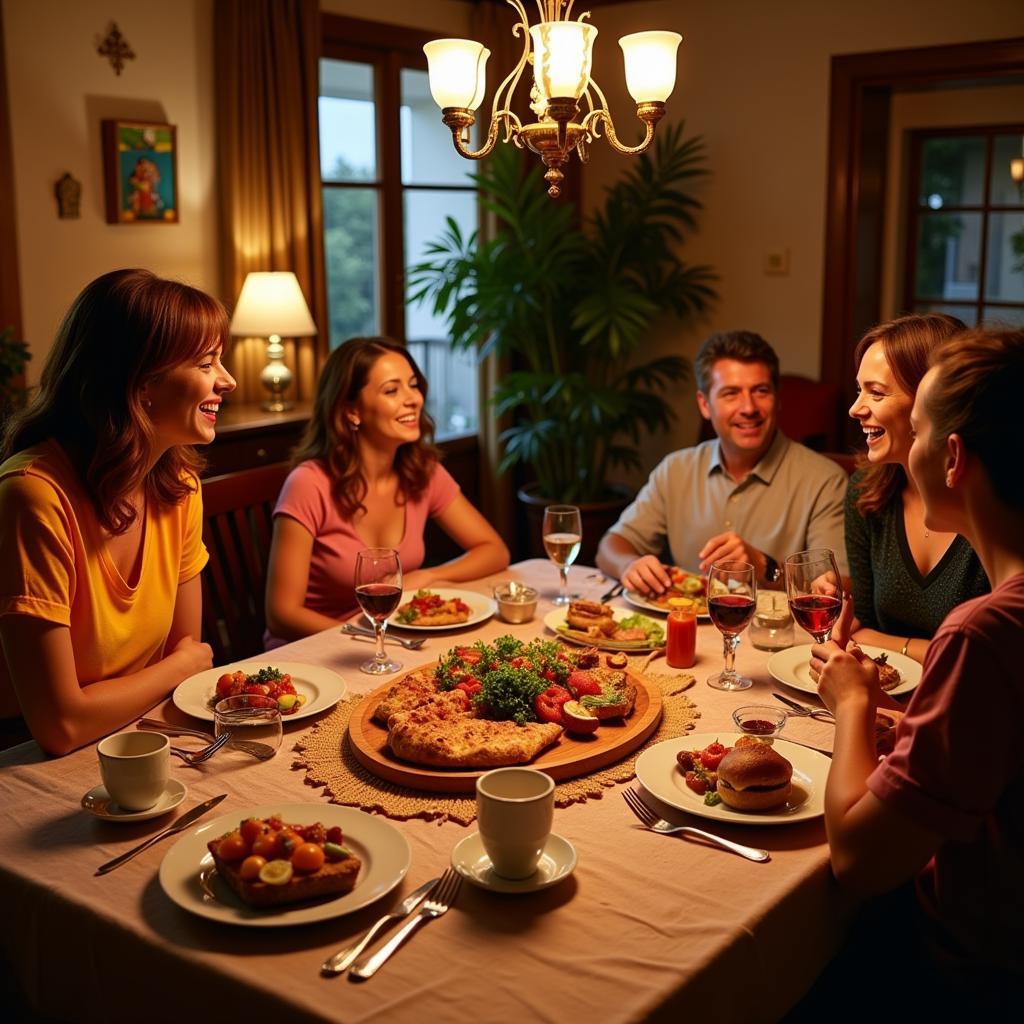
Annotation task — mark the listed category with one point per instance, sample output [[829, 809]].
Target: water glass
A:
[[251, 720]]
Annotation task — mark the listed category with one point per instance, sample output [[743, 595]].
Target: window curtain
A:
[[267, 76]]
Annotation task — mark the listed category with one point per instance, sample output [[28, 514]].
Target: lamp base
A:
[[276, 376], [276, 405]]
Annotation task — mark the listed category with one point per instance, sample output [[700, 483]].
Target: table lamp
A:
[[271, 305]]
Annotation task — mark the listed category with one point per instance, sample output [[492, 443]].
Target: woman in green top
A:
[[906, 578]]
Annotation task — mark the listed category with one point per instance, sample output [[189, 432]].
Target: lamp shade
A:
[[271, 302], [562, 56], [1017, 169], [650, 59], [457, 70]]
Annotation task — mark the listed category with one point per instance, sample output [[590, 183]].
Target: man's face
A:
[[741, 404]]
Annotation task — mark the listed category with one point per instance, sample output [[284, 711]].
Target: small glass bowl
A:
[[253, 722], [517, 602], [760, 720]]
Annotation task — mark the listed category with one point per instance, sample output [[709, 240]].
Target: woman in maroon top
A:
[[946, 808]]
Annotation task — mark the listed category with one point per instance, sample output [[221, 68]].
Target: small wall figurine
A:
[[69, 197]]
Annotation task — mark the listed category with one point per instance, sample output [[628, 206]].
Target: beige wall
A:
[[754, 81], [446, 17], [60, 89], [1002, 104]]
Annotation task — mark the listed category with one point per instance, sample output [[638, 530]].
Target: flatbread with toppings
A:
[[429, 609]]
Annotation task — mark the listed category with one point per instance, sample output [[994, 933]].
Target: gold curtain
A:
[[267, 76]]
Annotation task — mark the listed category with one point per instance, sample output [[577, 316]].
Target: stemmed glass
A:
[[378, 581], [563, 534], [813, 588], [732, 598]]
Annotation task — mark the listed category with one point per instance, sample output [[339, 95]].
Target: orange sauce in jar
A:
[[681, 641]]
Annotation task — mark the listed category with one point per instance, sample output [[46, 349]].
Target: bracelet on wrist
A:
[[903, 649]]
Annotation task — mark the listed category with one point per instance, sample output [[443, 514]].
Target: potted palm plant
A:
[[571, 304]]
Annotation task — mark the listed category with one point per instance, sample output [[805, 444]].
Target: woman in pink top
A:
[[366, 475], [946, 807]]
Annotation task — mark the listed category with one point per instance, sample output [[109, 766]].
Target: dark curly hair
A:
[[124, 331], [330, 439]]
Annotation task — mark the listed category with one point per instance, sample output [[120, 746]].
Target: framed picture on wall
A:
[[140, 163]]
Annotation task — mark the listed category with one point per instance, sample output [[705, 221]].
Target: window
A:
[[390, 176], [966, 231]]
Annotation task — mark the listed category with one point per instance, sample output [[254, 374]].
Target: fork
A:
[[441, 897], [194, 757], [651, 821], [409, 645], [261, 751], [804, 710]]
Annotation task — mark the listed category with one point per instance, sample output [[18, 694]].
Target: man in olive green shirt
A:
[[750, 494]]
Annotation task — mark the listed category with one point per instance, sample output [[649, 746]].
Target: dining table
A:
[[647, 927]]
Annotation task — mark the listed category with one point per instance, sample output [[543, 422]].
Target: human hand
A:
[[844, 627], [196, 656], [731, 547], [844, 675], [418, 579], [646, 575]]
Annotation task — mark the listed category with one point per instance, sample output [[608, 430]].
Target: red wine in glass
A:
[[732, 598], [816, 613], [731, 613], [814, 589], [378, 600]]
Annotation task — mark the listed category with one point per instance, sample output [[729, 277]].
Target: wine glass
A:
[[814, 590], [732, 598], [378, 581], [563, 534]]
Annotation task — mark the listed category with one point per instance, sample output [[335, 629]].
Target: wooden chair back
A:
[[237, 527]]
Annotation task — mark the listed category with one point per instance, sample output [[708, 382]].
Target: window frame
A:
[[914, 210]]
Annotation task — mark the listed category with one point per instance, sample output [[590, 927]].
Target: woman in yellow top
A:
[[101, 513]]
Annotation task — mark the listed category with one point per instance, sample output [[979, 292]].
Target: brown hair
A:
[[743, 346], [122, 332], [331, 440], [978, 384], [907, 343]]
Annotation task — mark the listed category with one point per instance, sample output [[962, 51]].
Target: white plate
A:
[[641, 602], [792, 667], [657, 770], [380, 846], [557, 861], [481, 608], [99, 803], [321, 687], [556, 620]]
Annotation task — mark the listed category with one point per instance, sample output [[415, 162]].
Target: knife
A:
[[614, 592], [340, 962], [182, 823]]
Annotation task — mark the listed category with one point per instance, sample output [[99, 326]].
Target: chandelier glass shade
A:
[[570, 108]]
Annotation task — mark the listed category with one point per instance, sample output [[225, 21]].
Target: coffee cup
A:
[[134, 767], [515, 807]]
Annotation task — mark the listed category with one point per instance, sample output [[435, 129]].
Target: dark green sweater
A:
[[889, 592]]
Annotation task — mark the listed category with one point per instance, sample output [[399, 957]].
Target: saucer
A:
[[557, 861], [99, 803]]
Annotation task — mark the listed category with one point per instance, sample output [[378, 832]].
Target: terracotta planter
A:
[[597, 517]]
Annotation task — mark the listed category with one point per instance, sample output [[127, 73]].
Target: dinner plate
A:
[[481, 608], [641, 602], [321, 687], [383, 850], [792, 667], [99, 803], [557, 861], [556, 622], [657, 770]]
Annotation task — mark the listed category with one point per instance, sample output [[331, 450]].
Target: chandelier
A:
[[561, 56]]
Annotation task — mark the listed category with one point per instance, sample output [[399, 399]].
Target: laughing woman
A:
[[946, 807], [366, 475], [905, 577], [101, 538]]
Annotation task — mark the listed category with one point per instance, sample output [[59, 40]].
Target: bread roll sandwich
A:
[[591, 617], [753, 777]]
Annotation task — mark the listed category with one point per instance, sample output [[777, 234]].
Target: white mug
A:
[[135, 767], [515, 807]]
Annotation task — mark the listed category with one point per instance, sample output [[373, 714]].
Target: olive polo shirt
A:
[[792, 500]]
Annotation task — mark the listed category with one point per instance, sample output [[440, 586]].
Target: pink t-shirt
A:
[[958, 769], [306, 497]]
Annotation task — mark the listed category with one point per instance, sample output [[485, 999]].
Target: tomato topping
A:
[[314, 833], [275, 823], [265, 845], [233, 847], [308, 858], [276, 872], [251, 867], [711, 756], [697, 783], [335, 835], [583, 682], [548, 704], [251, 829]]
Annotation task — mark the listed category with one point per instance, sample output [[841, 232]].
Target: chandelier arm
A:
[[512, 78], [612, 138], [460, 137]]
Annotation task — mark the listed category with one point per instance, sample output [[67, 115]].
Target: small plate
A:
[[792, 667], [100, 804], [384, 851], [657, 770], [321, 687], [558, 861], [556, 621], [641, 602], [481, 608]]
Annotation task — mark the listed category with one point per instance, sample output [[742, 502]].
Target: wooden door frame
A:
[[862, 86], [10, 285]]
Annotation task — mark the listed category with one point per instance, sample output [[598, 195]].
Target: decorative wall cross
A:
[[116, 49]]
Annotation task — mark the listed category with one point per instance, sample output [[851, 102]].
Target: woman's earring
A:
[[949, 479], [354, 424]]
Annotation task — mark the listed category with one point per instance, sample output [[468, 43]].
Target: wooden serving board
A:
[[569, 757]]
